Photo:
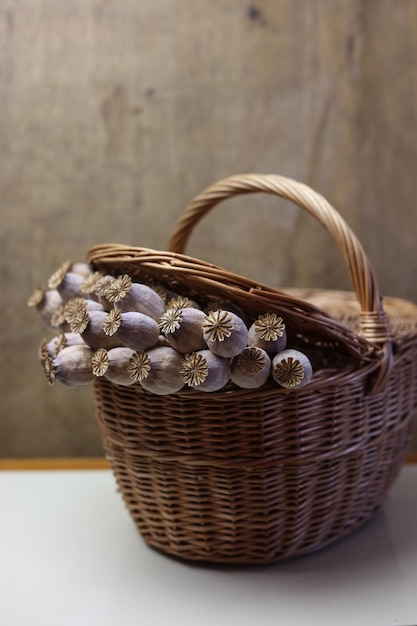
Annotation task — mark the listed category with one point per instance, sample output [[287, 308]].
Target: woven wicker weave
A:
[[256, 476]]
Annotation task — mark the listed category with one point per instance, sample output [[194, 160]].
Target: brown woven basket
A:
[[255, 476]]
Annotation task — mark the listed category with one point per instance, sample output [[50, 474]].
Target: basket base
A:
[[235, 517], [232, 564]]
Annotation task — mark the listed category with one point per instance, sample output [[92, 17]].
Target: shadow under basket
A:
[[244, 476]]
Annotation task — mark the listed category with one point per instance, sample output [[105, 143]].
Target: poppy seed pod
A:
[[268, 332], [205, 370], [89, 324], [183, 328], [251, 368], [132, 329], [129, 296], [66, 282], [72, 366], [163, 376], [46, 302], [114, 365], [56, 344], [225, 333], [291, 369]]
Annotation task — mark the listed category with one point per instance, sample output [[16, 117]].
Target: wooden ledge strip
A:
[[411, 457], [83, 463], [62, 463]]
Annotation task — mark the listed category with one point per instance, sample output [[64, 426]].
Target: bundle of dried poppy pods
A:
[[130, 332]]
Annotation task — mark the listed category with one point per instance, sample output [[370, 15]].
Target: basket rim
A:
[[172, 269]]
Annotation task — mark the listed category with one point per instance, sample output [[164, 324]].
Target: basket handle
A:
[[373, 320]]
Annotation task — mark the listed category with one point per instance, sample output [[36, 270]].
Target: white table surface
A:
[[71, 556]]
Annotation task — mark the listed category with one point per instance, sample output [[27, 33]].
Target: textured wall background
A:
[[114, 114]]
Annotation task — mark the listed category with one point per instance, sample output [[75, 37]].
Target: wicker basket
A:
[[256, 476]]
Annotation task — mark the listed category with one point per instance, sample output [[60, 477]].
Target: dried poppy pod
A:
[[74, 304], [89, 324], [78, 267], [81, 268], [225, 333], [227, 305], [163, 376], [114, 365], [132, 329], [90, 285], [139, 366], [183, 328], [291, 369], [205, 371], [58, 320], [269, 333], [66, 282], [46, 302], [251, 368], [72, 366], [56, 344], [129, 296], [181, 302], [93, 288], [100, 291]]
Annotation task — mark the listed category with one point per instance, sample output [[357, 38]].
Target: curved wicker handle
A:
[[374, 324]]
